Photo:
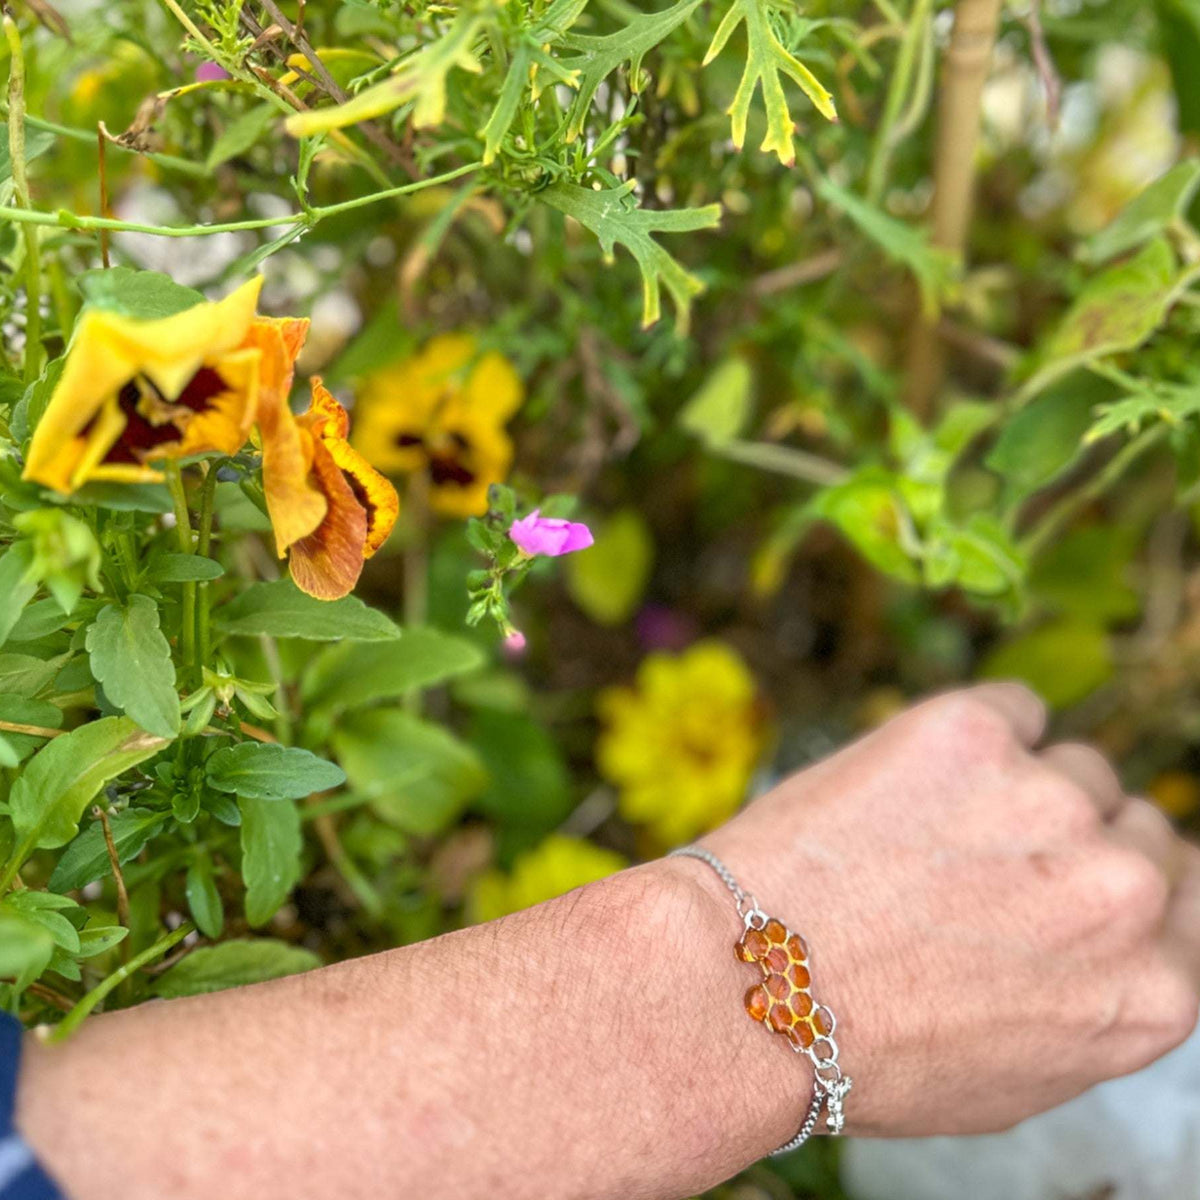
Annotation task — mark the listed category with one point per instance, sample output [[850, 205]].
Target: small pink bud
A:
[[514, 643], [550, 536]]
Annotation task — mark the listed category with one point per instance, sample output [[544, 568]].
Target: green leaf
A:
[[867, 508], [86, 858], [1088, 574], [933, 268], [56, 785], [1044, 438], [766, 60], [240, 134], [351, 676], [145, 295], [18, 584], [718, 412], [979, 556], [44, 617], [415, 774], [1151, 212], [281, 609], [598, 57], [37, 142], [23, 711], [421, 77], [1116, 311], [44, 908], [184, 568], [608, 579], [613, 216], [271, 845], [96, 941], [529, 784], [268, 771], [27, 675], [132, 660], [204, 901], [25, 947], [1064, 661], [1172, 403], [234, 964]]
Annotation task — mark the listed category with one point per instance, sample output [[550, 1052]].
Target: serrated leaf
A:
[[1172, 403], [281, 609], [596, 58], [55, 786], [613, 217], [766, 60], [271, 844], [131, 658], [145, 295], [420, 78], [268, 771], [233, 964], [351, 676]]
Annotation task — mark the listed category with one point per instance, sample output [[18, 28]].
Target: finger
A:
[[1023, 709], [1183, 915], [1087, 767], [1146, 829]]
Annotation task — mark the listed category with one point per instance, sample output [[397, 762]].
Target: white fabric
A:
[[1136, 1138]]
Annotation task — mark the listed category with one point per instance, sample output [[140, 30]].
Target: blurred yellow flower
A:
[[442, 411], [1177, 793], [682, 743], [553, 867]]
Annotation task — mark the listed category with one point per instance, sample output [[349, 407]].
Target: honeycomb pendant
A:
[[783, 1000]]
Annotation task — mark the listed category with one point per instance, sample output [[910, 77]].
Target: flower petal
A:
[[296, 505], [327, 562], [373, 491]]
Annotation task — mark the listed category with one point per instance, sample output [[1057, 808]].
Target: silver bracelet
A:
[[783, 1001]]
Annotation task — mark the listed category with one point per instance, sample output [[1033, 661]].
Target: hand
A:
[[996, 927]]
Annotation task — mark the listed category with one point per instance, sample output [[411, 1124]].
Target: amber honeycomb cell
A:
[[782, 1001]]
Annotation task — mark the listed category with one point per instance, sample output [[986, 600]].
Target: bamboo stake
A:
[[965, 71]]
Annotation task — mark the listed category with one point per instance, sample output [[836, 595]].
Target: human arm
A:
[[996, 930]]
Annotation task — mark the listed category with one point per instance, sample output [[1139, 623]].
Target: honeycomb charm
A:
[[783, 1000]]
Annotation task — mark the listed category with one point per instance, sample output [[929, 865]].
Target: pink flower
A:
[[514, 643], [536, 534], [210, 72]]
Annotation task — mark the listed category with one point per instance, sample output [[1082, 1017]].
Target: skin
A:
[[997, 928]]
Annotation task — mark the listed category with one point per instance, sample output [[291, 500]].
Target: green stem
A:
[[183, 533], [898, 89], [76, 1016], [1074, 503], [76, 221], [16, 152], [203, 546]]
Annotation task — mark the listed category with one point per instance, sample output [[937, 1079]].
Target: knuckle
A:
[[1130, 887], [968, 723], [1069, 808], [1178, 1008]]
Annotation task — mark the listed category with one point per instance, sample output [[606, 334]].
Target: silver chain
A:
[[830, 1086]]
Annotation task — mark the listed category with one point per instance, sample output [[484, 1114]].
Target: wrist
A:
[[746, 1091]]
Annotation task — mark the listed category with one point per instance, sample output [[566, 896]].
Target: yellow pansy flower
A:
[[552, 868], [443, 412], [132, 391], [682, 743]]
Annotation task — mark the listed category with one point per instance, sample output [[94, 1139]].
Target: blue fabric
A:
[[20, 1176]]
